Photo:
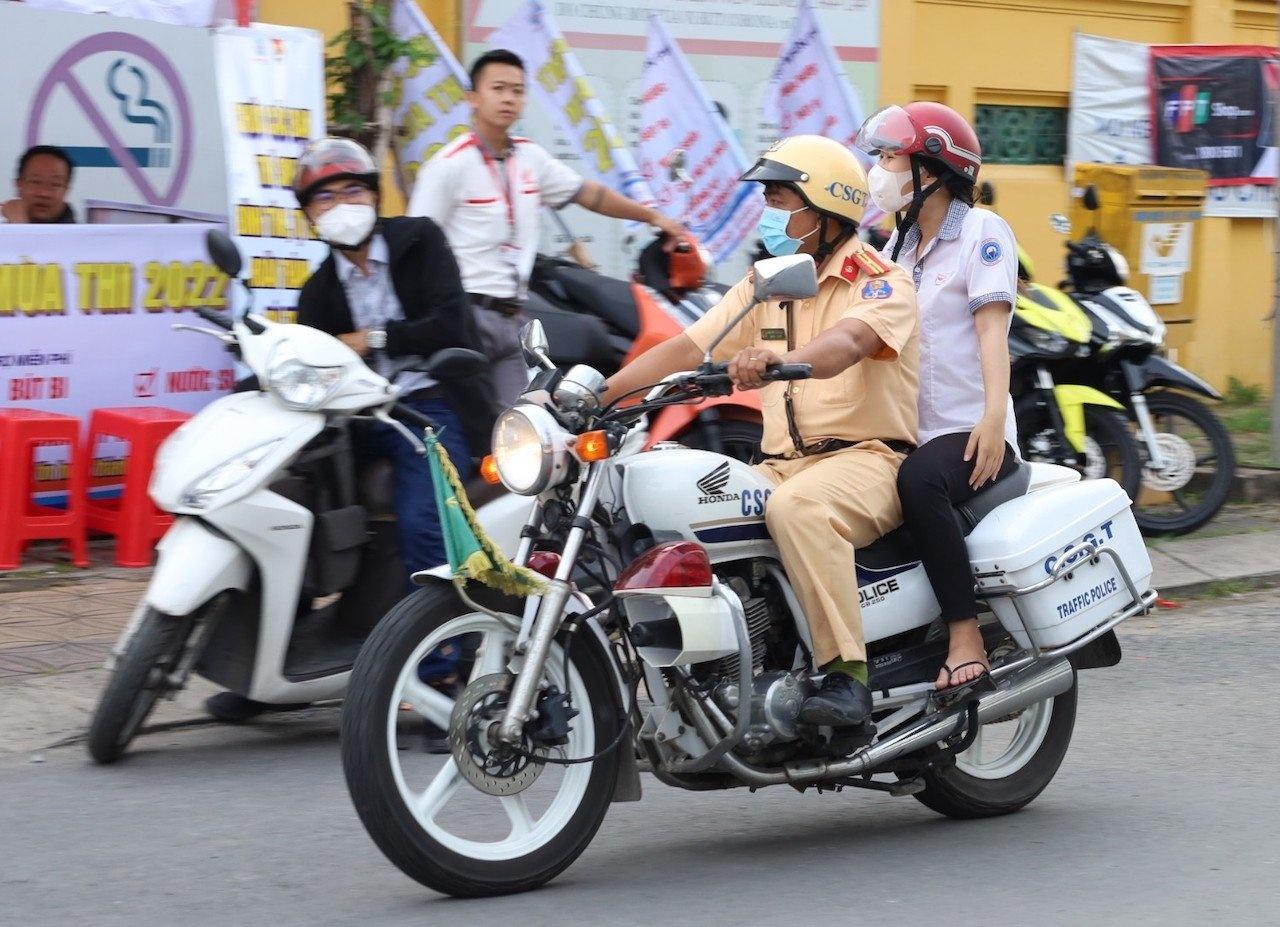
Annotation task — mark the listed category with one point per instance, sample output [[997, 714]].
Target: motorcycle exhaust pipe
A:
[[1026, 689]]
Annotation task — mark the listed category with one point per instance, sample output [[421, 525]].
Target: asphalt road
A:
[[1164, 812]]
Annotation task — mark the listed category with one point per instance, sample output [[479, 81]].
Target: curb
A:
[[1254, 580]]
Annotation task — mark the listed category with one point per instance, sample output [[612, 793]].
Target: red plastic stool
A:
[[21, 519], [133, 518]]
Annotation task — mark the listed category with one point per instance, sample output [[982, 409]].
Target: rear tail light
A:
[[678, 566]]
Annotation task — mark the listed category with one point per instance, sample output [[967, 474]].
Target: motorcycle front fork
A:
[[1044, 383], [1147, 427], [550, 613]]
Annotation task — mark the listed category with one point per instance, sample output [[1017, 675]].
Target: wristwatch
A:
[[376, 339]]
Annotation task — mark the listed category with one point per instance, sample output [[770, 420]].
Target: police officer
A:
[[832, 444]]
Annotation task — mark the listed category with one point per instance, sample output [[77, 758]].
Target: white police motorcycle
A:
[[686, 595], [280, 559]]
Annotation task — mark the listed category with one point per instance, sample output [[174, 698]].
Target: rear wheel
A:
[[140, 677], [482, 821], [1010, 762]]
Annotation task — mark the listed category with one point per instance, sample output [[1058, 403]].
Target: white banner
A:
[[271, 90], [175, 12], [430, 104], [85, 323], [688, 153], [1110, 117], [809, 92], [561, 84]]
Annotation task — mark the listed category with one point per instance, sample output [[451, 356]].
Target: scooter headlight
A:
[[1046, 341], [530, 449], [226, 475], [299, 385]]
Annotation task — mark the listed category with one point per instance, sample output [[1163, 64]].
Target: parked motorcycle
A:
[[1063, 422], [701, 612], [1187, 458], [604, 323], [280, 558]]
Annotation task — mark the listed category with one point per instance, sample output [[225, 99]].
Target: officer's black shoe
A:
[[842, 701], [232, 708]]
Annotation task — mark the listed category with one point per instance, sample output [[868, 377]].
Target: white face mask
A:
[[347, 224], [886, 188]]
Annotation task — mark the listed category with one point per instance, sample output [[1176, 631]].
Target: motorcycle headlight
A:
[[226, 475], [1046, 341], [301, 386], [530, 450]]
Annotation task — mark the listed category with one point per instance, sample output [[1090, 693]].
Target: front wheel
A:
[[1010, 762], [1109, 447], [1200, 464], [483, 820], [140, 677]]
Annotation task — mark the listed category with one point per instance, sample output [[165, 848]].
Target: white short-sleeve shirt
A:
[[972, 261], [488, 207]]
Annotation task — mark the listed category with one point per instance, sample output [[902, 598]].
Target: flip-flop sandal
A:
[[980, 683]]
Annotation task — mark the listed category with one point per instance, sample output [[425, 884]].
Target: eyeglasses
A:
[[353, 194]]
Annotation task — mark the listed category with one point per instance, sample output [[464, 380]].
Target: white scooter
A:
[[695, 603], [279, 562]]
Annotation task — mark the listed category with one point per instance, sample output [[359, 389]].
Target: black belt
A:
[[503, 304], [831, 445]]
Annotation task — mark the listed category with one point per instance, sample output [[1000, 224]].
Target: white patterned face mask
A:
[[347, 224]]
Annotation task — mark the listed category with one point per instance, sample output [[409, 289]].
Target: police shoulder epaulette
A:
[[865, 261]]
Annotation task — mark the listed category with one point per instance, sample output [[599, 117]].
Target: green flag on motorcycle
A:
[[472, 553]]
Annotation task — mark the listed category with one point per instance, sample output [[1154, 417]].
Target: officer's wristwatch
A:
[[376, 339]]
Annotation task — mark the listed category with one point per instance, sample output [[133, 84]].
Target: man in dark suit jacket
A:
[[391, 291]]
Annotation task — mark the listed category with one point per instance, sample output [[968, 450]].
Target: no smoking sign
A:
[[117, 103]]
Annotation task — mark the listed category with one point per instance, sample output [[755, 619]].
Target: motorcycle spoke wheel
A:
[[459, 816]]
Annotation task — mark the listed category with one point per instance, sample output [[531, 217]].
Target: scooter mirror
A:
[[986, 193], [794, 276], [224, 253], [1060, 223], [534, 345], [1090, 198], [675, 167]]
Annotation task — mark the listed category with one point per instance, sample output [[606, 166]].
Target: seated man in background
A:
[[42, 182]]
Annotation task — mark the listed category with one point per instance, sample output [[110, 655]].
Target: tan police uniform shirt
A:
[[872, 400]]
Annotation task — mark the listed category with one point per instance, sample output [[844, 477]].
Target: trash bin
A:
[[1149, 214]]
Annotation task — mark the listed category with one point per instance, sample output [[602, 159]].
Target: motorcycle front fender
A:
[[1071, 399], [1159, 371], [195, 564]]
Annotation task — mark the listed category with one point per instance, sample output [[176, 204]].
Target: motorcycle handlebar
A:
[[412, 416], [718, 374]]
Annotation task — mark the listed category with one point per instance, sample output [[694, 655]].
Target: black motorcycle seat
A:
[[575, 337], [606, 297], [898, 548]]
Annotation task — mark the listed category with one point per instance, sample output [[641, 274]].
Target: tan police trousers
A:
[[825, 507]]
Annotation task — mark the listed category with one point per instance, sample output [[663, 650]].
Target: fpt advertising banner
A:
[[86, 315], [1212, 110]]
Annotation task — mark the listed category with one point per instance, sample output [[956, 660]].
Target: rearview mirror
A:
[[534, 345], [1090, 198], [986, 193], [1060, 223], [675, 167], [794, 276], [224, 253]]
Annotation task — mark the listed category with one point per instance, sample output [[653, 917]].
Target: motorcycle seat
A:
[[968, 514], [606, 297]]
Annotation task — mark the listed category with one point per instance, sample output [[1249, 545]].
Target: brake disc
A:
[[1180, 460], [492, 767]]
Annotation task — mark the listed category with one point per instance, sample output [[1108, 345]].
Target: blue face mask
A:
[[772, 228]]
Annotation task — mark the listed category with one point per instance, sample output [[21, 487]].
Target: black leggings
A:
[[931, 482]]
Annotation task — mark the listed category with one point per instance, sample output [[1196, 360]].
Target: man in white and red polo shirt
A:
[[485, 190]]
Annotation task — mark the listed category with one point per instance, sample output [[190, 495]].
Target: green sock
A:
[[855, 669]]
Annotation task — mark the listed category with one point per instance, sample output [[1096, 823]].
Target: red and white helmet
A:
[[329, 159], [930, 130]]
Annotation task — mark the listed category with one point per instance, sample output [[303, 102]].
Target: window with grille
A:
[[1022, 134]]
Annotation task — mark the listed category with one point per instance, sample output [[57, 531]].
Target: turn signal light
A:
[[489, 470], [675, 565], [545, 562], [592, 446]]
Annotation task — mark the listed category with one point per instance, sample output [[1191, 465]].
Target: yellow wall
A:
[[964, 52]]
